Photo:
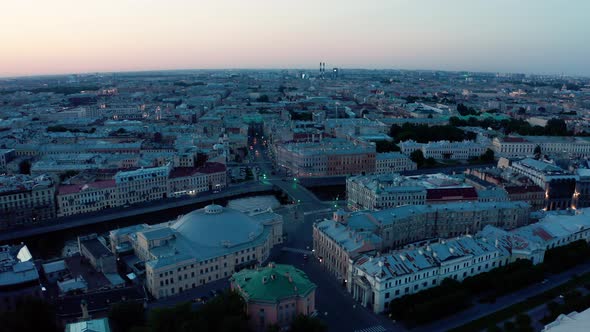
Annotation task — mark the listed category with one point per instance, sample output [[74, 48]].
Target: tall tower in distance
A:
[[335, 71]]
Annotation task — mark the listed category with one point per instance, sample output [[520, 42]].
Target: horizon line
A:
[[2, 77]]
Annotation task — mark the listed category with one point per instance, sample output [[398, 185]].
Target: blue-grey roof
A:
[[218, 228]]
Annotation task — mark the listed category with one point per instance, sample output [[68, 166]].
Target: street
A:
[[483, 309]]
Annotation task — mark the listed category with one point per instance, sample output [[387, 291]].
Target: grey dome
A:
[[216, 226]]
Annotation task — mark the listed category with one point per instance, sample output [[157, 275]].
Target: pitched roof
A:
[[272, 283], [76, 188]]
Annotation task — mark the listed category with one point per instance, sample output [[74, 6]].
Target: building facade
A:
[[558, 184], [524, 146], [93, 196], [329, 157], [19, 277], [376, 281], [26, 200], [274, 295], [198, 248], [393, 162], [142, 185], [445, 149]]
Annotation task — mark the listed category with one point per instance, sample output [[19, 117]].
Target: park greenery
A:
[[386, 146], [62, 129], [464, 110], [554, 127], [492, 320], [30, 314], [24, 167], [486, 158], [452, 296], [572, 301], [422, 133], [224, 313]]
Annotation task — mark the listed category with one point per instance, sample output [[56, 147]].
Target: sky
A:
[[81, 36]]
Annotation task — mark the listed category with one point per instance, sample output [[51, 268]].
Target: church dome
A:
[[216, 226]]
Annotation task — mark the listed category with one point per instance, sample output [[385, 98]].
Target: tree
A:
[[68, 174], [24, 167], [494, 328], [464, 110], [386, 146], [418, 157], [263, 99], [30, 314], [303, 323], [556, 127], [509, 326], [538, 152], [201, 159], [125, 315], [170, 319], [523, 322], [158, 137], [430, 162], [488, 156]]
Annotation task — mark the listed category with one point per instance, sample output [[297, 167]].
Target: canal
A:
[[50, 245]]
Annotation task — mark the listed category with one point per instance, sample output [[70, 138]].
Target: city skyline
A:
[[542, 37]]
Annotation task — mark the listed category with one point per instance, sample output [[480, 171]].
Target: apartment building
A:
[[376, 281], [393, 162], [524, 146], [330, 157], [197, 248], [25, 200], [347, 235], [375, 192], [88, 197], [144, 184], [558, 184], [194, 180], [445, 149]]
